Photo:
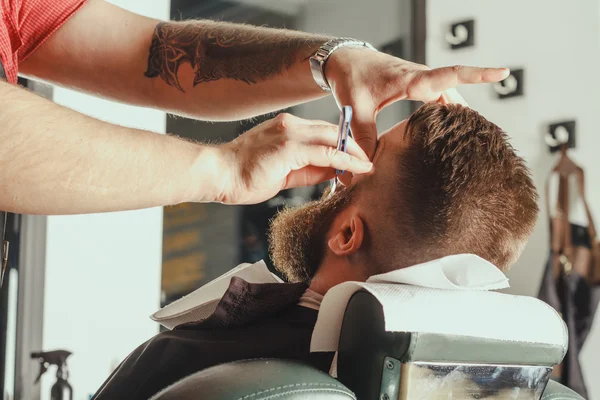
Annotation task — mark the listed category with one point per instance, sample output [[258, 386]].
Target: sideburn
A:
[[297, 236]]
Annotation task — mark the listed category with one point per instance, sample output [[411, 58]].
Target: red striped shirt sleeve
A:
[[38, 19]]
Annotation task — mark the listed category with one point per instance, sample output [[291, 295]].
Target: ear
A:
[[349, 237]]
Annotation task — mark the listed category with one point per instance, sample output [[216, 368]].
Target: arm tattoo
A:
[[225, 51]]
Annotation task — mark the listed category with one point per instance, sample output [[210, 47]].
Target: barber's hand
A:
[[369, 81], [451, 96], [282, 153]]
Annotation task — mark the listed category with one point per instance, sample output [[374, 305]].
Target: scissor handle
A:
[[344, 130]]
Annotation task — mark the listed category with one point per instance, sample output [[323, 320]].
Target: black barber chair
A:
[[377, 365]]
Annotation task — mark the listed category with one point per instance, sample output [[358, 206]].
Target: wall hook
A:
[[560, 134], [461, 34], [512, 86], [562, 137], [508, 86]]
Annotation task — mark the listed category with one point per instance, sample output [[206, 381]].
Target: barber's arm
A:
[[222, 71], [204, 69], [56, 161]]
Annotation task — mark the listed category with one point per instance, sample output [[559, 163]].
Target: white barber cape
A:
[[457, 272]]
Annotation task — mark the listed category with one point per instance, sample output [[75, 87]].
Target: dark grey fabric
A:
[[251, 321]]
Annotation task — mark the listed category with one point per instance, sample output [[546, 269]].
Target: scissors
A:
[[344, 133]]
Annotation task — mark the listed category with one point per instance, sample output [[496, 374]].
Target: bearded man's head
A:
[[446, 181]]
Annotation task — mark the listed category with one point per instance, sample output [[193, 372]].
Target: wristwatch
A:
[[318, 60]]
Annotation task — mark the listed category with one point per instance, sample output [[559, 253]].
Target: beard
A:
[[298, 235]]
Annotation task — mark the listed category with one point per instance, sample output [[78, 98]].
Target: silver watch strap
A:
[[318, 60]]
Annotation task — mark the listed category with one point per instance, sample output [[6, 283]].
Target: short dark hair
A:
[[462, 188]]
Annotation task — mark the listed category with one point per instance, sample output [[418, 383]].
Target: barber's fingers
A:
[[467, 75], [285, 121], [364, 126], [302, 121], [327, 156], [442, 79], [362, 99], [323, 135], [308, 176], [326, 134], [365, 134], [316, 132], [451, 96]]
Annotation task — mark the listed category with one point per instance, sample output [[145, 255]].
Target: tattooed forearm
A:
[[222, 50]]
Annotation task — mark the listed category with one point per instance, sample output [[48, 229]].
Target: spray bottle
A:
[[61, 390]]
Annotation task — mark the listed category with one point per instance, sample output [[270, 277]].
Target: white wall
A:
[[103, 271], [556, 42]]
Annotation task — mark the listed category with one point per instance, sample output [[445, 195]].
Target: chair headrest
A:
[[479, 315], [426, 361]]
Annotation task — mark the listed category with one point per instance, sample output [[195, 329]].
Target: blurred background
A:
[[89, 283]]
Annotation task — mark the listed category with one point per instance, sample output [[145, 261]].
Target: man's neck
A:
[[334, 272]]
